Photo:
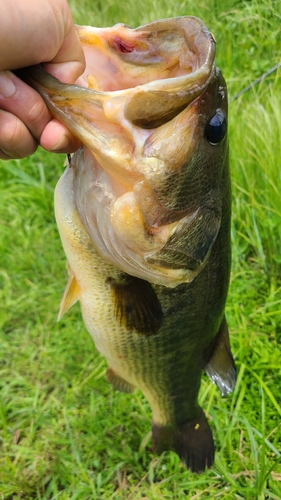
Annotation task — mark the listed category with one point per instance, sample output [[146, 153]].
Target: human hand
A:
[[33, 32]]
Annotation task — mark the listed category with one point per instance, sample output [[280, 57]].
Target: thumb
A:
[[69, 62]]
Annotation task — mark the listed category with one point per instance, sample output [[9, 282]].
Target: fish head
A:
[[149, 181]]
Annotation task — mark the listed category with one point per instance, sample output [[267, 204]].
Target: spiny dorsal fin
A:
[[220, 367], [136, 305], [71, 294]]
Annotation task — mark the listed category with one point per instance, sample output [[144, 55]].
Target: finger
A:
[[4, 156], [20, 100], [24, 102], [61, 66], [33, 31], [57, 138], [15, 138], [69, 62]]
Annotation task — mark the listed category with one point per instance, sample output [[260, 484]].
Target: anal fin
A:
[[192, 441], [71, 294], [118, 382], [220, 366]]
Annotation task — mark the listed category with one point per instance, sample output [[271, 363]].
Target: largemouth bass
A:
[[143, 211]]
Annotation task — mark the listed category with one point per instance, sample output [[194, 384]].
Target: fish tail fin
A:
[[192, 441]]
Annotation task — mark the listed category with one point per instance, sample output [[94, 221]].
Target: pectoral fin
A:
[[136, 305], [220, 367], [70, 296]]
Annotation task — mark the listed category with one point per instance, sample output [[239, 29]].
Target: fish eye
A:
[[215, 130]]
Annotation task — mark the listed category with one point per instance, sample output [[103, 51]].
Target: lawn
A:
[[64, 432]]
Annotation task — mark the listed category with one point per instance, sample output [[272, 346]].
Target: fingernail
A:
[[61, 144], [7, 86]]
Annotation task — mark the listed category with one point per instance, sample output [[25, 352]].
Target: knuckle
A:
[[4, 156], [15, 141], [11, 130], [36, 114]]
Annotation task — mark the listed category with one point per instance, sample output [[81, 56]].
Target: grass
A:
[[64, 433]]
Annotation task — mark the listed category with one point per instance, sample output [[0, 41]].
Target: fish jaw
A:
[[146, 141]]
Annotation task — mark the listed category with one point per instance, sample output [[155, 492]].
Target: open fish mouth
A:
[[153, 71], [140, 120]]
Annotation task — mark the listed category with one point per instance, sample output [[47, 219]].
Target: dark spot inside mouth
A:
[[122, 46]]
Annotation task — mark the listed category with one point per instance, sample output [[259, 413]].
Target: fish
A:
[[143, 210]]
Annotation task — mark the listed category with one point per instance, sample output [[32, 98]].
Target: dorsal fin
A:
[[71, 294]]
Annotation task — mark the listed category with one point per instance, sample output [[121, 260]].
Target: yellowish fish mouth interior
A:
[[136, 109], [123, 57], [154, 71]]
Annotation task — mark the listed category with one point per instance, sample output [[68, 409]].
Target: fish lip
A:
[[44, 83]]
